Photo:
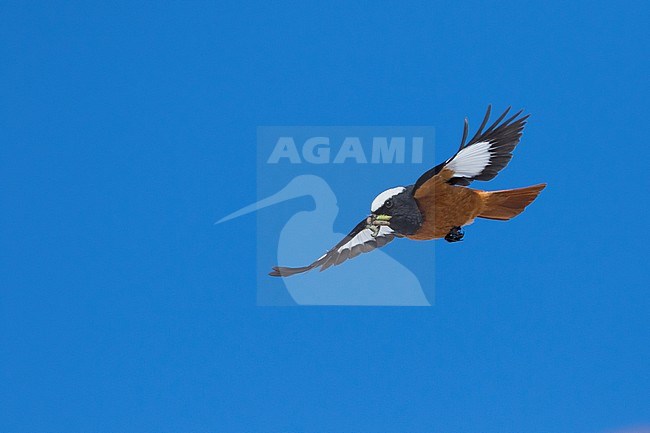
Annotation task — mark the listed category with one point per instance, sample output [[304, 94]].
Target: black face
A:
[[406, 217]]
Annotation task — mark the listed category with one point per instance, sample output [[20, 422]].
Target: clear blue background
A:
[[128, 129]]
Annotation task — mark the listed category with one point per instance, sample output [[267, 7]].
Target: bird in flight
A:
[[439, 203]]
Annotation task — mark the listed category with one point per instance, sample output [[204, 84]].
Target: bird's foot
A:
[[455, 234]]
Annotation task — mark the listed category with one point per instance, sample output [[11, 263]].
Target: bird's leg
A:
[[455, 234]]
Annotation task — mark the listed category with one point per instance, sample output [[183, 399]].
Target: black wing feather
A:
[[333, 257], [503, 136]]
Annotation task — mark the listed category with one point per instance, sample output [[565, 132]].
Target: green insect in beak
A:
[[374, 223]]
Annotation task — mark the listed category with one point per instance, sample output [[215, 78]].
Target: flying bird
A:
[[439, 203]]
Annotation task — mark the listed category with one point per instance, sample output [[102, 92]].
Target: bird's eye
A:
[[389, 203]]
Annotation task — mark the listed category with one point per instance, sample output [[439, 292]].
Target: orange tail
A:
[[503, 205]]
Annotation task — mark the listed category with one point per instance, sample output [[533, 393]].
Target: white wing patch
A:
[[365, 236], [361, 242], [471, 161], [381, 198]]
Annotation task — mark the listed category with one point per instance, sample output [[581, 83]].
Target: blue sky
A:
[[128, 129]]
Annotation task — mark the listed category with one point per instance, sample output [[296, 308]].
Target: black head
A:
[[399, 208]]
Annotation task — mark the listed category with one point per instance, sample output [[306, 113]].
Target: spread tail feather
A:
[[507, 204]]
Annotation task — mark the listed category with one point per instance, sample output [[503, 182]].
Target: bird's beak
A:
[[374, 223]]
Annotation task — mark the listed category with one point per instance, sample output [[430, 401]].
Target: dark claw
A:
[[455, 234]]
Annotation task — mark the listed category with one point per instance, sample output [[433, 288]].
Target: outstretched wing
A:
[[484, 155], [359, 240]]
